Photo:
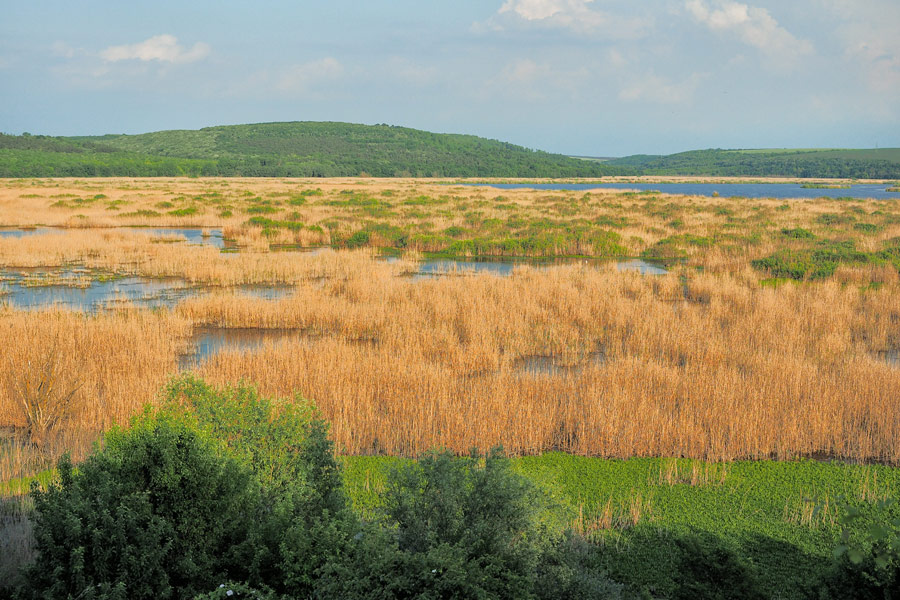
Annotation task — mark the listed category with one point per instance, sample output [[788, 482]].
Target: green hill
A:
[[881, 163], [326, 149], [298, 149]]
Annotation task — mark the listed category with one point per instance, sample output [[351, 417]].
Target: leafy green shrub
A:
[[236, 591], [709, 570], [159, 512], [569, 570], [867, 565], [302, 521], [219, 485], [457, 528]]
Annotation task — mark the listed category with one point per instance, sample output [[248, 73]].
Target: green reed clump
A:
[[267, 223], [676, 246], [820, 261], [798, 233]]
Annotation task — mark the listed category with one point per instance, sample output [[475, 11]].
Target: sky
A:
[[580, 77]]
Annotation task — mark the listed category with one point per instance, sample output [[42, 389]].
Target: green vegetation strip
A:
[[761, 510], [760, 529], [780, 517]]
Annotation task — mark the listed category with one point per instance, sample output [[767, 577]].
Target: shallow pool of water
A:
[[65, 291], [549, 366], [77, 290], [208, 341], [445, 266], [193, 235], [212, 237], [12, 232], [891, 357]]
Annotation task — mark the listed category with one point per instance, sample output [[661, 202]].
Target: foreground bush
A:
[[302, 521], [160, 512], [867, 562], [219, 485], [463, 528]]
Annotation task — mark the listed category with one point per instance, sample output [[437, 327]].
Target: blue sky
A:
[[590, 77]]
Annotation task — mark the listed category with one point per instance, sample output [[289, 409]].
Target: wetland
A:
[[746, 335]]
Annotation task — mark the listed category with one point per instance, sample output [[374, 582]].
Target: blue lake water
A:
[[77, 291], [20, 233], [877, 191], [193, 235]]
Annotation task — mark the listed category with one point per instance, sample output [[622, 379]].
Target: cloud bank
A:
[[161, 48], [752, 25]]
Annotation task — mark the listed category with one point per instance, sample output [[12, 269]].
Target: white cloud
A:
[[659, 90], [162, 48], [867, 34], [575, 15], [301, 77], [752, 25]]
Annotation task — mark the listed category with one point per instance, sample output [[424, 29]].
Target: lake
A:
[[877, 191]]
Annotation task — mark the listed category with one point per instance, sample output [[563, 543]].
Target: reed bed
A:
[[429, 217], [696, 365], [711, 370], [84, 372], [130, 253]]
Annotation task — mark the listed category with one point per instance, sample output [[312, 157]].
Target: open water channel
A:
[[878, 191]]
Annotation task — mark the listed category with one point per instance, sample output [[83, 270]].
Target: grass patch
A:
[[641, 510]]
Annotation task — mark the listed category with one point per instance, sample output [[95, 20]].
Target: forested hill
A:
[[883, 163], [325, 149], [297, 149]]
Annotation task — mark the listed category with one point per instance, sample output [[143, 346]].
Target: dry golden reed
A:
[[713, 367]]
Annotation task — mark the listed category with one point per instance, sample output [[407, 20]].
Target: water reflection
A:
[[208, 341], [549, 366], [891, 357], [445, 266], [203, 237], [192, 235], [79, 289], [74, 291]]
